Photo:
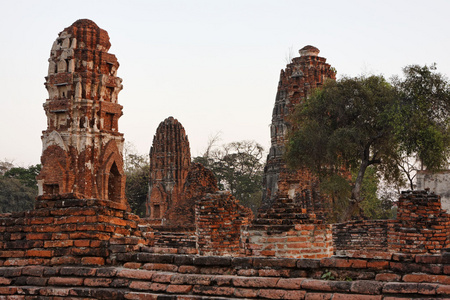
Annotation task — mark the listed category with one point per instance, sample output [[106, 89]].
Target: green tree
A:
[[238, 169], [356, 123], [18, 188], [422, 116], [345, 126], [137, 171]]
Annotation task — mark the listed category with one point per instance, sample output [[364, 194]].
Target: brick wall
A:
[[219, 218], [369, 235], [366, 276], [421, 227], [68, 232], [300, 241]]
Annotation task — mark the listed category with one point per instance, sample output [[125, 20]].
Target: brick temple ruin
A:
[[82, 242]]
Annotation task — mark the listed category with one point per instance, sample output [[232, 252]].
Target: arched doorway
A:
[[114, 183]]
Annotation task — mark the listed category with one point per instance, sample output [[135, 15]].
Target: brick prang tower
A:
[[82, 147], [299, 78], [170, 159]]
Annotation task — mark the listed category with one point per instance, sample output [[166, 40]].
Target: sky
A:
[[213, 65]]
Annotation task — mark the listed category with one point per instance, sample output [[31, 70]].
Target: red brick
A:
[[246, 293], [97, 281], [161, 277], [274, 273], [443, 290], [132, 265], [81, 243], [419, 278], [12, 253], [356, 297], [141, 296], [192, 279], [141, 285], [58, 243], [5, 281], [378, 264], [387, 277], [65, 260], [161, 267], [255, 282], [290, 283], [179, 289], [400, 288], [65, 281], [281, 294], [318, 296], [213, 290], [39, 253], [97, 261], [135, 274], [8, 291]]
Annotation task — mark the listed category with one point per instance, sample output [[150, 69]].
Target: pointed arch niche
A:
[[111, 175]]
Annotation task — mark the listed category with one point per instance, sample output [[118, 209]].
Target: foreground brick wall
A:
[[140, 275], [68, 232]]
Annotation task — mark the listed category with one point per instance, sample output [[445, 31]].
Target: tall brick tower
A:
[[302, 75], [170, 159], [82, 146]]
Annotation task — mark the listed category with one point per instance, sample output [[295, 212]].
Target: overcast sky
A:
[[213, 65]]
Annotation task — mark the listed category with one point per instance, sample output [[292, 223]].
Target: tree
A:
[[137, 171], [18, 187], [345, 126], [422, 116], [356, 123], [238, 169]]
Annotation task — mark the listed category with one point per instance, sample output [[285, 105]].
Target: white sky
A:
[[213, 65]]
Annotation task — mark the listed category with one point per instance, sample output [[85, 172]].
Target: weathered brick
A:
[[97, 281], [338, 296], [254, 282], [178, 289], [318, 296], [213, 290], [135, 274], [290, 283], [65, 281], [367, 287], [400, 288], [191, 279]]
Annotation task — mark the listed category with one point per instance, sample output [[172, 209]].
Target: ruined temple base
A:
[[297, 241]]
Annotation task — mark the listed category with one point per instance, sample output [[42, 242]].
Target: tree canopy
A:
[[351, 124], [18, 187], [238, 169]]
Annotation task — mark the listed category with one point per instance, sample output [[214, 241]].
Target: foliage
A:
[[375, 204], [421, 118], [366, 125], [137, 171], [345, 126], [238, 168], [18, 188]]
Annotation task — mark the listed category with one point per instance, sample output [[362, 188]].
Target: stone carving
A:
[[82, 147], [301, 76]]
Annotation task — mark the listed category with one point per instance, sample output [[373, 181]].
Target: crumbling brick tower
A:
[[82, 147], [170, 159], [299, 78]]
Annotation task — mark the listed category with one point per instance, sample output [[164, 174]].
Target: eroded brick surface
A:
[[82, 145]]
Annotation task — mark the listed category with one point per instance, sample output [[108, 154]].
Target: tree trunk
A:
[[355, 198]]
